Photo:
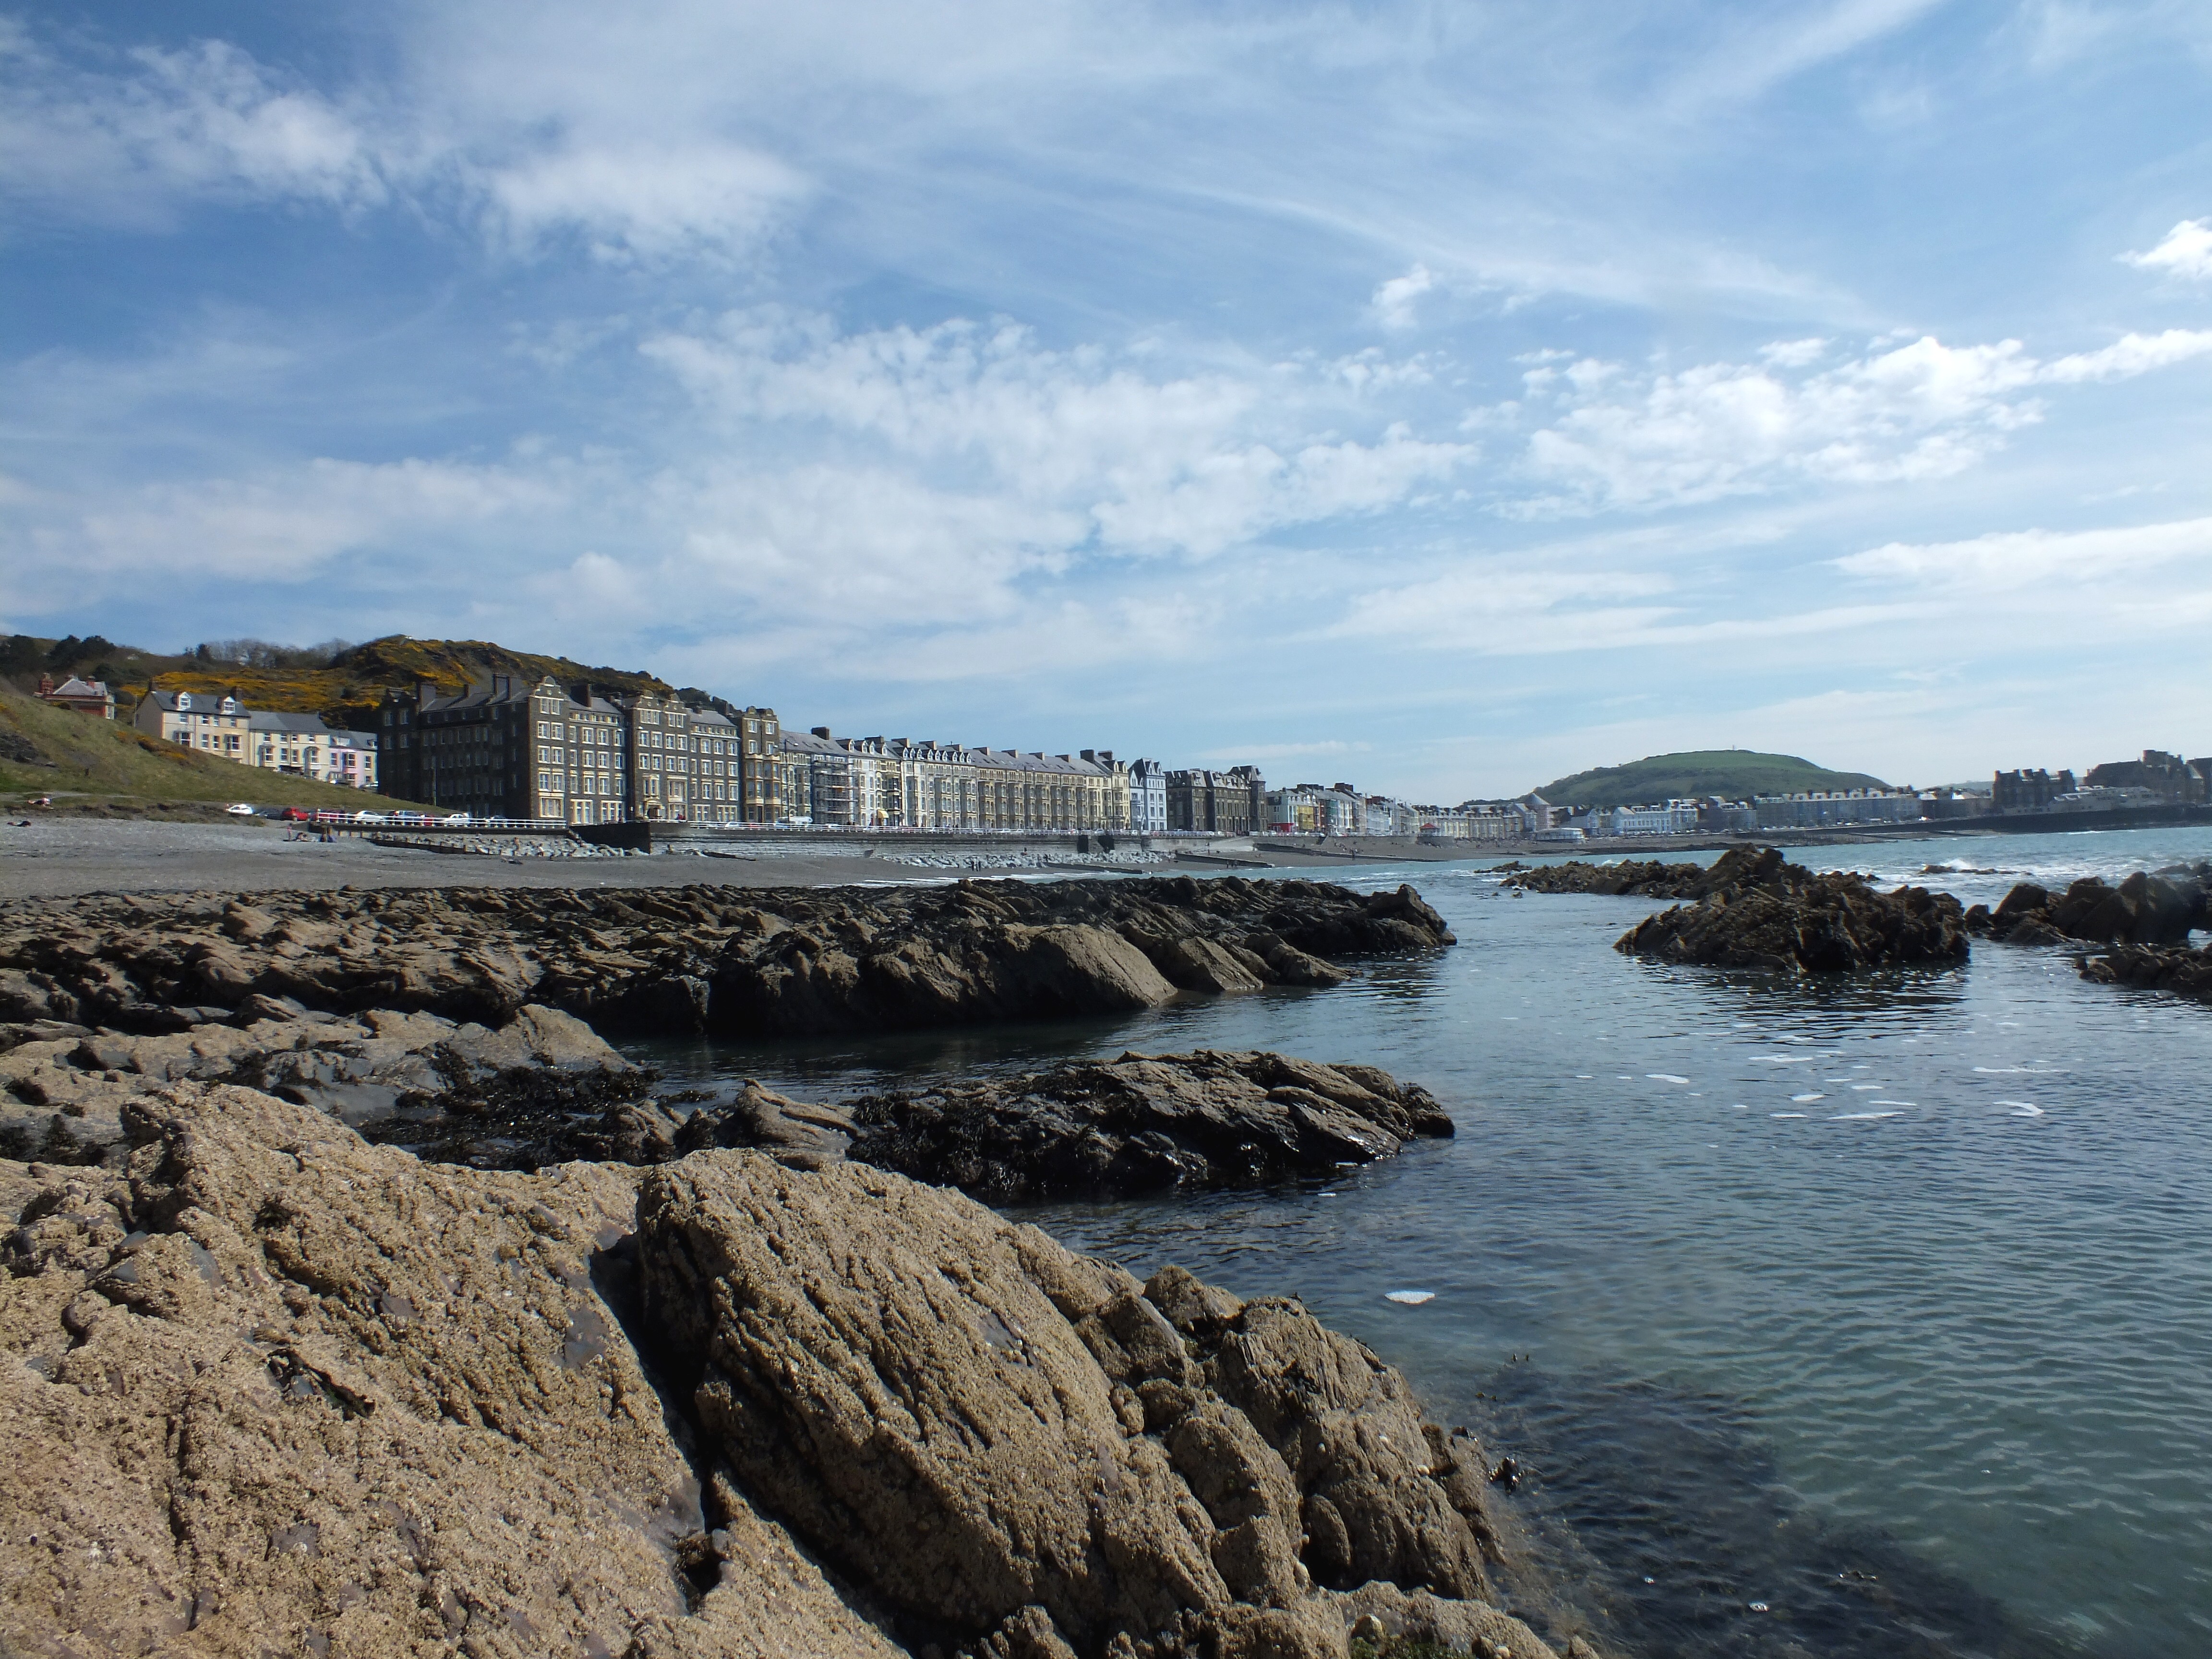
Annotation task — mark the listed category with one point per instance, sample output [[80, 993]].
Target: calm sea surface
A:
[[1867, 1317]]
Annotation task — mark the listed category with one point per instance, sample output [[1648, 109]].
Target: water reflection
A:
[[1663, 1512]]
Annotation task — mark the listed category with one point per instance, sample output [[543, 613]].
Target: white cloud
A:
[[643, 200], [2005, 563], [1049, 453], [137, 137], [207, 121], [1793, 353], [1395, 301], [2186, 252], [2129, 355], [1915, 411]]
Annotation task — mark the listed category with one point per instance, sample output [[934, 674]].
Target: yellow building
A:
[[212, 725]]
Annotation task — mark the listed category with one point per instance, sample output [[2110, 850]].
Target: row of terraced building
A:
[[587, 755]]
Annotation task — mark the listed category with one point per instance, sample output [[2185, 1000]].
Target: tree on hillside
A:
[[261, 653], [67, 654]]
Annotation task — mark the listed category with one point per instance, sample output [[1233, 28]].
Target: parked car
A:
[[460, 818], [240, 809], [368, 817]]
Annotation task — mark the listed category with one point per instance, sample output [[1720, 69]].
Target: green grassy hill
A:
[[1734, 774], [87, 763]]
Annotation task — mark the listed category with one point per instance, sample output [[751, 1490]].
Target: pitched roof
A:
[[309, 725], [201, 703]]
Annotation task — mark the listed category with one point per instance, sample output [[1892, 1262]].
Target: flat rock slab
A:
[[64, 1088], [691, 960], [268, 1389]]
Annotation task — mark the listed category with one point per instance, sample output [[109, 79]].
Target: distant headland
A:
[[1726, 774]]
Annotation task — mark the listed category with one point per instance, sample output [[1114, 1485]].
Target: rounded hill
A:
[[1732, 773]]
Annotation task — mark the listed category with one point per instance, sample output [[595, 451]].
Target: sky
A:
[[1440, 398]]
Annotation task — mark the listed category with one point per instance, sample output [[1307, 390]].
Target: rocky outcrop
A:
[[269, 1389], [691, 960], [1779, 917], [2143, 909], [1644, 878], [995, 1435], [415, 1077], [2176, 968], [544, 1089], [1144, 1124]]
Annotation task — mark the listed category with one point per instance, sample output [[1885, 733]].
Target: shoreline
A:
[[81, 856]]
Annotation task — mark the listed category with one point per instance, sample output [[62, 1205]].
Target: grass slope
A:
[[346, 693], [85, 763], [1734, 774]]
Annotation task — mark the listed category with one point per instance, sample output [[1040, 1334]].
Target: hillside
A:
[[83, 761], [344, 692], [1732, 773]]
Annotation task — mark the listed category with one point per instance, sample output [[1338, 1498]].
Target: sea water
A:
[[1868, 1314]]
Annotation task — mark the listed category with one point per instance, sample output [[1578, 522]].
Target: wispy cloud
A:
[[1757, 59], [131, 141], [2008, 562]]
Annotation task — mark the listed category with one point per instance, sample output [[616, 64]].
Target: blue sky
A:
[[1441, 399]]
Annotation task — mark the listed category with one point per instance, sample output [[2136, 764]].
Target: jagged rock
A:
[[274, 1390], [2176, 968], [64, 1088], [545, 1089], [1740, 867], [1645, 878], [994, 1435], [1142, 1124], [269, 1389], [2143, 909], [1763, 913], [684, 960], [760, 1118]]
